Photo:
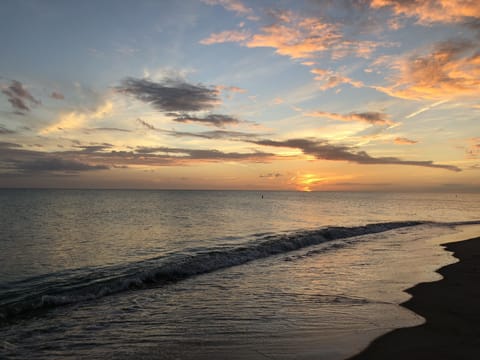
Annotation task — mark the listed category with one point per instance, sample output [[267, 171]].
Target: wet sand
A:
[[451, 307]]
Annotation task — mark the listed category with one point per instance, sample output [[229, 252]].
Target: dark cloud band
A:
[[321, 149], [217, 120], [171, 94]]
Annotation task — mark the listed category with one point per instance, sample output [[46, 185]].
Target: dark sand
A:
[[451, 307]]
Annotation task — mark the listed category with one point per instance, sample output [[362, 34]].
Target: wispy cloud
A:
[[332, 79], [146, 124], [106, 129], [426, 108], [171, 94], [90, 149], [370, 117], [216, 134], [77, 119], [404, 141], [234, 89], [226, 36], [57, 95], [5, 131], [321, 149], [19, 97], [216, 120], [427, 12], [270, 175], [235, 6], [204, 155]]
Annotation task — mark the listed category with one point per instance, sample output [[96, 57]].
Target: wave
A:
[[75, 286]]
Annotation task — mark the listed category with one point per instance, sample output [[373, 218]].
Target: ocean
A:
[[140, 274]]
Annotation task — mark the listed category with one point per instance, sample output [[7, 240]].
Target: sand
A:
[[451, 308]]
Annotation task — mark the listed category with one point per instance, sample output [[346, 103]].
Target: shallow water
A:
[[327, 299]]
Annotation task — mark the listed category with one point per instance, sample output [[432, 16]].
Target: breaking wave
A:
[[68, 287]]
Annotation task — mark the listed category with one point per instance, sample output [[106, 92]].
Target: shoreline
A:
[[451, 309]]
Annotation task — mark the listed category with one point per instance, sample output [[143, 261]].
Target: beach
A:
[[450, 307]]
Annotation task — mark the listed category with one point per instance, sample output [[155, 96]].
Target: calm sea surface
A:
[[215, 274]]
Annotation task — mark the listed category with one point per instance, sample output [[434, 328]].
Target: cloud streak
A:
[[15, 160], [106, 129], [5, 131], [370, 117], [216, 120], [56, 164], [216, 134], [426, 108], [204, 155], [321, 149], [404, 141]]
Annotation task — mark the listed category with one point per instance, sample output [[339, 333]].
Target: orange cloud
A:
[[371, 117], [404, 141], [308, 63], [226, 36], [304, 37], [298, 37], [451, 69], [429, 11]]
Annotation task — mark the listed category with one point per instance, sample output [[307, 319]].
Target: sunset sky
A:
[[378, 95]]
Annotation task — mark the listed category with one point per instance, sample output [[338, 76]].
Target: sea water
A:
[[214, 274]]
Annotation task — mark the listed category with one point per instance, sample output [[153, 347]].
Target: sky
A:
[[313, 95]]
